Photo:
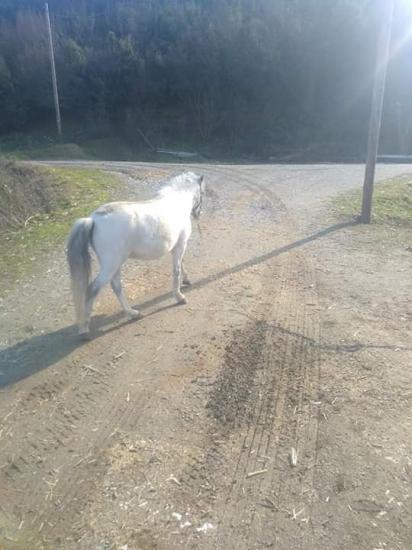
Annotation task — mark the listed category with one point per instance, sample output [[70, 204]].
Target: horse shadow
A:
[[37, 353]]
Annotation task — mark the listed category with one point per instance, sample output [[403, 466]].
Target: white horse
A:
[[145, 230]]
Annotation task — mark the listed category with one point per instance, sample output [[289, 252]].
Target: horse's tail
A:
[[78, 257]]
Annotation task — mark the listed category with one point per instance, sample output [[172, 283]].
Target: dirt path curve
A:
[[177, 431]]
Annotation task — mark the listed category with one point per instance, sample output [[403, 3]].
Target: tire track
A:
[[281, 422]]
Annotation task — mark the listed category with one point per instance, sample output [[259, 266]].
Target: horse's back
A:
[[147, 229]]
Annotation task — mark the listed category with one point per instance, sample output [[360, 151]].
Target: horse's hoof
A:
[[133, 314], [85, 335], [182, 300], [186, 282]]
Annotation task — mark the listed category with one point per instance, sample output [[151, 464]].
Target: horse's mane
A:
[[187, 181]]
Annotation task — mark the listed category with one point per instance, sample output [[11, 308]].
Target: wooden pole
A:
[[54, 77], [376, 109]]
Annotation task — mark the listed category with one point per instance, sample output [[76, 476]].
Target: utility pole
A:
[[54, 77], [376, 109]]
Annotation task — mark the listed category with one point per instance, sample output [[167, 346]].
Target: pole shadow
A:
[[337, 348]]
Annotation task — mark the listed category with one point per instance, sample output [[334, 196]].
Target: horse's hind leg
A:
[[185, 278], [116, 284], [95, 287], [178, 253]]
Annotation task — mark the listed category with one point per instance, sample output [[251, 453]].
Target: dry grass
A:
[[392, 202], [38, 206]]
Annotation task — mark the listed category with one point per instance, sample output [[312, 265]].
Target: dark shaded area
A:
[[227, 77]]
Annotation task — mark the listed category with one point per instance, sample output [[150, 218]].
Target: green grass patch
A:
[[57, 151], [392, 202], [76, 192], [38, 146]]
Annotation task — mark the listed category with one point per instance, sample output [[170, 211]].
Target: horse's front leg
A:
[[177, 254]]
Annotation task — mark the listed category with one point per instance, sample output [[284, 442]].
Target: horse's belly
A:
[[150, 251], [152, 239]]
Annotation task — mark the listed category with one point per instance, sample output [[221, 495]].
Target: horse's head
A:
[[198, 196]]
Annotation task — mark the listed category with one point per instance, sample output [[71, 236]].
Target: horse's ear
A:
[[202, 182]]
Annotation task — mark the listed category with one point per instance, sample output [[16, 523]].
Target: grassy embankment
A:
[[37, 208], [392, 203], [114, 147]]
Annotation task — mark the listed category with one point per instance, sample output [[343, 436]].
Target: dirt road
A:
[[272, 411]]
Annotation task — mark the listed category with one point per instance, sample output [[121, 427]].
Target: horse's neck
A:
[[180, 199]]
